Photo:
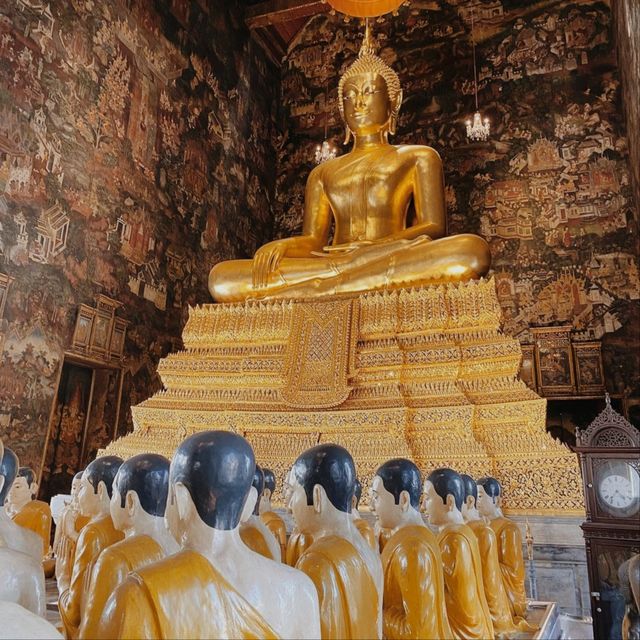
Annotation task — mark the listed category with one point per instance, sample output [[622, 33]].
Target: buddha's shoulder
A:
[[417, 152]]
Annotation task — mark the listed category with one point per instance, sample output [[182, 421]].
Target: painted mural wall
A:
[[135, 152], [549, 190]]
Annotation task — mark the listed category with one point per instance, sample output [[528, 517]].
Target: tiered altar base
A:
[[420, 373]]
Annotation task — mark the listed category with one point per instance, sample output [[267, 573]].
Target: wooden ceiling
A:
[[275, 23]]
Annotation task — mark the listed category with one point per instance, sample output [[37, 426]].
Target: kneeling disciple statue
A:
[[414, 602], [509, 543], [370, 196], [28, 512], [216, 587], [504, 623], [271, 519], [346, 571], [99, 533], [467, 608], [254, 532], [137, 508], [21, 574]]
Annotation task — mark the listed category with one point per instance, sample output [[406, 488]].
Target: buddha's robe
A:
[[65, 549], [297, 544], [511, 562], [467, 609], [94, 539], [346, 590], [182, 596], [36, 516], [504, 623], [110, 571], [256, 538], [276, 525], [414, 600], [366, 531]]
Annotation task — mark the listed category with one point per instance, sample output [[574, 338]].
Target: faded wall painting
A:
[[550, 188], [135, 152]]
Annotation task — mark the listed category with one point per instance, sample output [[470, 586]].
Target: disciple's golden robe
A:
[[383, 537], [110, 571], [414, 600], [95, 538], [255, 540], [180, 597], [66, 548], [497, 598], [367, 532], [36, 516], [511, 562], [276, 525], [346, 591], [467, 609], [297, 544]]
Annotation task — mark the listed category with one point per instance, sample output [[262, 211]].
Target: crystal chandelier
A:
[[478, 128], [327, 150]]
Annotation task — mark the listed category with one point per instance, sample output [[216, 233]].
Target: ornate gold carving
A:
[[428, 375]]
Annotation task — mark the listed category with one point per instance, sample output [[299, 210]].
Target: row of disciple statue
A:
[[192, 548]]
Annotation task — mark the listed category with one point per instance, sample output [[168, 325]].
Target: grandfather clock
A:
[[609, 450]]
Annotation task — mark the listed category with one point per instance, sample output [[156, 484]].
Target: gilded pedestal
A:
[[423, 373]]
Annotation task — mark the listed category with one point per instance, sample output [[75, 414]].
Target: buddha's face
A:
[[366, 103], [20, 492]]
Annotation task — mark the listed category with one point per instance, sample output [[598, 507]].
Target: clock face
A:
[[618, 488]]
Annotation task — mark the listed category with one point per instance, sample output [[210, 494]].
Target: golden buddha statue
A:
[[99, 533], [373, 195], [467, 609], [67, 533], [28, 512], [509, 543], [271, 519], [414, 596], [504, 623]]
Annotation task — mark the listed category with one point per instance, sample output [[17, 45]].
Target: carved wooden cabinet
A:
[[609, 450]]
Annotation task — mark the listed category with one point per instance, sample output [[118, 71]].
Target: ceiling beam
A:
[[275, 11]]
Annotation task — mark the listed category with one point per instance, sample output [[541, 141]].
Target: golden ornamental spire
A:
[[368, 47]]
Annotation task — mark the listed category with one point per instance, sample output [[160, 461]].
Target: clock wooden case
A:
[[609, 450]]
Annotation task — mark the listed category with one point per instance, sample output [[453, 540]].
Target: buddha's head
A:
[[9, 465], [24, 488], [96, 485], [210, 484], [140, 490], [489, 497], [322, 485], [469, 509], [369, 94], [395, 492], [443, 497]]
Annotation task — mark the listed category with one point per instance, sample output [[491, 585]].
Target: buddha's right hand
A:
[[266, 261]]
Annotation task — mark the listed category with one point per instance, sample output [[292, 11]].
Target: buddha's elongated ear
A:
[[395, 109]]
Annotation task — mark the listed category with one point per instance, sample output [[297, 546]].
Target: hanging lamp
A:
[[479, 128]]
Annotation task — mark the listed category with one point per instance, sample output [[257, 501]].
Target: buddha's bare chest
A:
[[368, 199]]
